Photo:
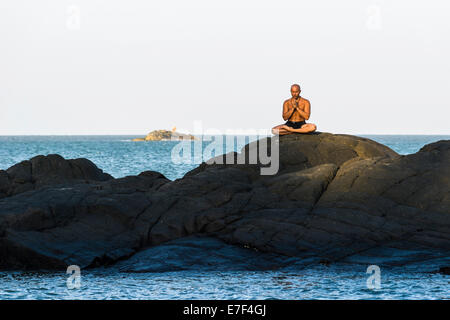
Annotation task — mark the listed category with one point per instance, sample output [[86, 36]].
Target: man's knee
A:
[[310, 127]]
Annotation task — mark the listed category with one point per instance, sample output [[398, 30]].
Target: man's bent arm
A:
[[305, 114], [287, 112]]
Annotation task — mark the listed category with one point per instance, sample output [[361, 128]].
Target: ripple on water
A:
[[316, 282]]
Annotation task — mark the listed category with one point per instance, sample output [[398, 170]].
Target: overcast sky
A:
[[129, 67]]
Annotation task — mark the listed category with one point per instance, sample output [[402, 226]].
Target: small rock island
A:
[[165, 135]]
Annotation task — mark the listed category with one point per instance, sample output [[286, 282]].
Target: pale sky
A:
[[129, 67]]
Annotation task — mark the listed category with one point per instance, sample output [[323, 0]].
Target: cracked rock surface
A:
[[334, 198]]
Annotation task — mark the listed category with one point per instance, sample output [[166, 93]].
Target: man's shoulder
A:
[[304, 100], [301, 99]]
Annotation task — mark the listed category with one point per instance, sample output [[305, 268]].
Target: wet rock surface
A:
[[199, 253], [334, 198]]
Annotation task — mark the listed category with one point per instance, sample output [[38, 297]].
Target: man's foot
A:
[[281, 130]]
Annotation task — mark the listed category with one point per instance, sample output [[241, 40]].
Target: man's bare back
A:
[[295, 110]]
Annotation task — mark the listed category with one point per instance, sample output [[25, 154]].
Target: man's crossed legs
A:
[[294, 127]]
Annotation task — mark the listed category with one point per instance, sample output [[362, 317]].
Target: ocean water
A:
[[335, 282], [119, 156], [116, 155]]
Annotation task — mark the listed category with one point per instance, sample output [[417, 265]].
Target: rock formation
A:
[[445, 270], [335, 198], [47, 170], [163, 135]]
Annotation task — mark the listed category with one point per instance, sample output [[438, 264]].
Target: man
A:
[[295, 110]]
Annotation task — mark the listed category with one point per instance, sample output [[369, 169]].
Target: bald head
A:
[[295, 90]]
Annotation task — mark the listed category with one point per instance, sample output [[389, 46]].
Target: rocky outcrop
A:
[[53, 169], [76, 223], [445, 270], [335, 198], [163, 135], [201, 254], [298, 152]]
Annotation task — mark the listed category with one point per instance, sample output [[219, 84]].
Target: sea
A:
[[120, 157]]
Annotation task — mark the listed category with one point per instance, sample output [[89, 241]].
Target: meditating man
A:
[[295, 110]]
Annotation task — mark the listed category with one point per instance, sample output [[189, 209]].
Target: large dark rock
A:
[[53, 169], [335, 198], [84, 224], [201, 254], [445, 270], [298, 152]]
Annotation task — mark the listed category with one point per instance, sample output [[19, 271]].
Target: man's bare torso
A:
[[289, 104]]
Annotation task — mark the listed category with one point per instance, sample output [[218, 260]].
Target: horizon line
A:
[[138, 135]]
